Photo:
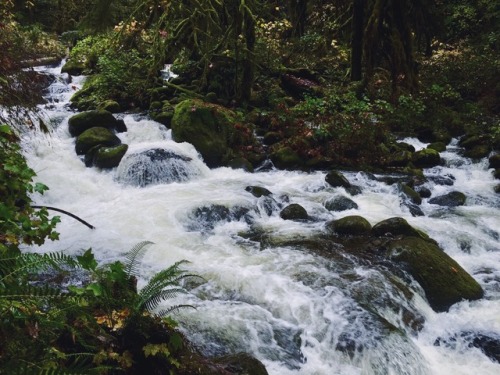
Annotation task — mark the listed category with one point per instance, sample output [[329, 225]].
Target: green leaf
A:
[[40, 188], [95, 288], [87, 260]]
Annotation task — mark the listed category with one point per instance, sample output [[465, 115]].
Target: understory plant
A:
[[97, 322]]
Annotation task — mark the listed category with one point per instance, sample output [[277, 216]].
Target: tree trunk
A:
[[357, 40], [248, 74], [298, 17]]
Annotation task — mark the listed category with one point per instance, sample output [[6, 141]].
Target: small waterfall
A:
[[301, 308]]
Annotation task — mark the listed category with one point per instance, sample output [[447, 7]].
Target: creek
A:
[[296, 311]]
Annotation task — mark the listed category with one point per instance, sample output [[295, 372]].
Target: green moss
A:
[[411, 194], [438, 146], [349, 226], [80, 122], [426, 158], [208, 127], [73, 67], [395, 226], [93, 137], [110, 106], [444, 281], [109, 157], [286, 158]]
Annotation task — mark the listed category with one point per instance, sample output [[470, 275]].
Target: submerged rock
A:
[[452, 199], [155, 166], [337, 179], [443, 280]]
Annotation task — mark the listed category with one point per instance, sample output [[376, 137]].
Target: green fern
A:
[[134, 256]]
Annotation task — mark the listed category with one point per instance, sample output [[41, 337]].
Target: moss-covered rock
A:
[[452, 199], [496, 173], [93, 137], [442, 279], [426, 158], [294, 211], [349, 226], [241, 364], [109, 157], [210, 128], [240, 163], [340, 203], [438, 146], [409, 194], [477, 152], [399, 158], [494, 161], [73, 67], [164, 118], [270, 138], [337, 179], [286, 158], [80, 122], [395, 226], [110, 106]]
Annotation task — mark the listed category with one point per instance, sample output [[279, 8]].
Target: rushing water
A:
[[290, 308]]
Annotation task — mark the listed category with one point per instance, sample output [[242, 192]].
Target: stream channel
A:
[[295, 310]]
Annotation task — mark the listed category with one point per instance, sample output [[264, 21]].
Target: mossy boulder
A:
[[494, 161], [395, 226], [340, 203], [426, 158], [452, 199], [438, 146], [109, 157], [286, 158], [210, 128], [240, 163], [337, 179], [73, 67], [409, 194], [241, 364], [400, 158], [294, 211], [94, 137], [478, 152], [442, 279], [110, 106], [80, 122], [349, 226], [496, 174]]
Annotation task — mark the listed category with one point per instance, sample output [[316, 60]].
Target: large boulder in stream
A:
[[155, 166], [73, 68], [294, 211], [340, 203], [80, 122], [452, 199], [109, 157], [349, 226], [212, 129], [443, 280], [95, 137], [426, 158]]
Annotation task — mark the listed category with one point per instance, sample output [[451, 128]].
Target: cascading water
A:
[[295, 310]]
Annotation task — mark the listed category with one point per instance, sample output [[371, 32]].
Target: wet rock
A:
[[478, 152], [423, 191], [267, 205], [241, 364], [240, 163], [442, 279], [155, 166], [94, 137], [496, 173], [109, 157], [110, 106], [354, 190], [337, 179], [349, 226], [73, 67], [426, 158], [470, 141], [438, 146], [496, 189], [286, 158], [432, 135], [340, 203], [294, 211], [212, 129], [395, 226], [446, 180], [494, 161], [452, 199], [270, 138], [414, 209], [258, 191], [164, 118], [407, 193], [400, 158], [80, 122], [489, 343], [207, 217]]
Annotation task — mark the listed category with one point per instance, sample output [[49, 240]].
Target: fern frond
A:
[[32, 262], [151, 302], [172, 310], [134, 256], [26, 291]]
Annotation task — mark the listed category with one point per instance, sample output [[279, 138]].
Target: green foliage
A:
[[100, 327], [19, 223]]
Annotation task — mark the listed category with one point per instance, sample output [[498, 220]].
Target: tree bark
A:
[[357, 40]]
